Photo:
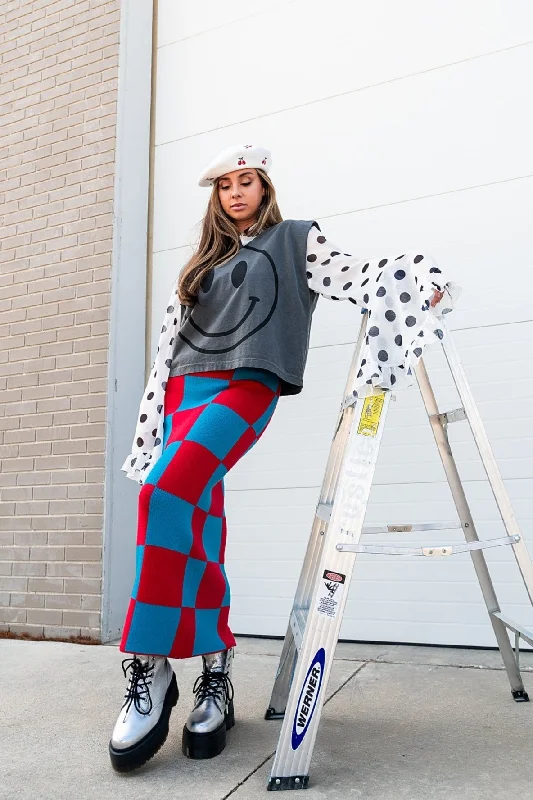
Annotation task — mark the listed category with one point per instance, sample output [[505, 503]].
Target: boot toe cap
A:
[[205, 720]]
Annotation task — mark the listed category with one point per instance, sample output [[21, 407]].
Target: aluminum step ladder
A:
[[307, 656]]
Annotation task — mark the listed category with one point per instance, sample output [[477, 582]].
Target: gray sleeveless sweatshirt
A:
[[253, 311]]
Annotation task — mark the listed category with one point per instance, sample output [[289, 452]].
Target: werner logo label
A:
[[308, 698], [330, 592]]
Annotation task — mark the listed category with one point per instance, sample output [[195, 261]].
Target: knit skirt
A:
[[180, 599]]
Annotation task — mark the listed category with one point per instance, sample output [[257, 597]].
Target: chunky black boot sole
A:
[[208, 745], [138, 754]]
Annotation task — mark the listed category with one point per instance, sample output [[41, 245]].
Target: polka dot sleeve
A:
[[396, 293], [147, 443]]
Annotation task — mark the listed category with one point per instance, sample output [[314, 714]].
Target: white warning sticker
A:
[[330, 593]]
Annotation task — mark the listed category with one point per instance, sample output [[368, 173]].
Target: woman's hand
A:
[[437, 297]]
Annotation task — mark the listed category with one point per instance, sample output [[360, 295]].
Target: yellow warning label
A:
[[371, 414]]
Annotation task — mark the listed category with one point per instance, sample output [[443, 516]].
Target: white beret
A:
[[235, 157]]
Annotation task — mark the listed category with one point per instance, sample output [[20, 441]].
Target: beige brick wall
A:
[[58, 84]]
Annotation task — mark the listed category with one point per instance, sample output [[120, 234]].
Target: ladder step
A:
[[324, 510], [457, 415], [434, 550], [524, 633], [400, 528]]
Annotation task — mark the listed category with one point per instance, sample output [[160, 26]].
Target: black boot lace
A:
[[217, 685], [138, 690]]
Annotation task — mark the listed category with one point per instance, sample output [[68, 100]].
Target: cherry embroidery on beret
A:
[[241, 161], [264, 161]]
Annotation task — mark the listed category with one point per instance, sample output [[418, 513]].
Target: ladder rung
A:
[[434, 550], [456, 415], [524, 633], [408, 528], [324, 510]]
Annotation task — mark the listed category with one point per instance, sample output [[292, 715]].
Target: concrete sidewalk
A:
[[401, 723]]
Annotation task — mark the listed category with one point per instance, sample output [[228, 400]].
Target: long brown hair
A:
[[219, 239]]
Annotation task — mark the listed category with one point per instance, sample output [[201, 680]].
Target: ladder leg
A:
[[282, 683], [497, 485], [309, 571], [289, 653], [290, 768], [469, 528], [510, 660]]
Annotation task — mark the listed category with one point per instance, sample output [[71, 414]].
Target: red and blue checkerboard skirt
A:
[[180, 600]]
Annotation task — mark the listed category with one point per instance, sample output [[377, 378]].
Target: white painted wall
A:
[[396, 125]]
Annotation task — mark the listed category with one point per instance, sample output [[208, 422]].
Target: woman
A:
[[247, 296]]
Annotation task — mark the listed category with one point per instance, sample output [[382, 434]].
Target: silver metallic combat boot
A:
[[142, 725], [204, 734]]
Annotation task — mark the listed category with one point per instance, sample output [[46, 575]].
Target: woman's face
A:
[[240, 193]]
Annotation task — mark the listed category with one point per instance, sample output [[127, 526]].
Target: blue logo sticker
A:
[[308, 698]]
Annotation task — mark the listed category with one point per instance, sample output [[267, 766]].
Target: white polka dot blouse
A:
[[396, 292]]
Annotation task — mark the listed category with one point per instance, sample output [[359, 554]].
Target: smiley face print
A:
[[235, 301]]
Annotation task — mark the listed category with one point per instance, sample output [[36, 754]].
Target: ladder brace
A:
[[518, 630], [434, 550]]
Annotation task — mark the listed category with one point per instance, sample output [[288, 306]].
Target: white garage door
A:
[[397, 126]]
